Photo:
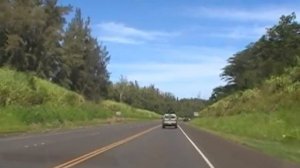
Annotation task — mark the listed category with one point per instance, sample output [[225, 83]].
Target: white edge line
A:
[[197, 149]]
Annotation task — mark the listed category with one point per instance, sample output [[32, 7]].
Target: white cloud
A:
[[121, 33], [123, 40], [170, 72], [240, 32], [182, 70], [202, 54], [259, 14], [184, 79]]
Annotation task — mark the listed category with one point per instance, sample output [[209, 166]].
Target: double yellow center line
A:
[[94, 153]]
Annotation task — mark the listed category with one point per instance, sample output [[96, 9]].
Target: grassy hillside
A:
[[267, 118], [29, 103]]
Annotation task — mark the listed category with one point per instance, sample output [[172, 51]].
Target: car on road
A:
[[169, 120], [186, 119]]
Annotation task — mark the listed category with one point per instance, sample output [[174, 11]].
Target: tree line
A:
[[151, 98], [275, 51], [35, 38]]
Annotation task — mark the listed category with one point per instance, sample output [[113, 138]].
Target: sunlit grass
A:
[[267, 117], [276, 126], [286, 148], [28, 103], [276, 132]]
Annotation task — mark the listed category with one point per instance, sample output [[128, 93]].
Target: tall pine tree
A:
[[86, 59]]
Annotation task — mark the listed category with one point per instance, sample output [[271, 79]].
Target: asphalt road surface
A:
[[134, 145]]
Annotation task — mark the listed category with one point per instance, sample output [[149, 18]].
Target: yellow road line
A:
[[94, 153]]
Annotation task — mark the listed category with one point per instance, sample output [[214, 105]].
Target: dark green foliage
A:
[[28, 102], [268, 113], [153, 99], [222, 91], [275, 51], [33, 39], [187, 107], [86, 59]]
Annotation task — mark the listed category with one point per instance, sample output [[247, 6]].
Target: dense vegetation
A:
[[266, 117], [62, 67], [275, 51], [29, 103], [33, 39], [153, 99], [62, 70], [259, 106]]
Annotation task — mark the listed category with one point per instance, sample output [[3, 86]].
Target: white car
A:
[[169, 120]]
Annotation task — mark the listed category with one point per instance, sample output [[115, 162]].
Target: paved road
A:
[[134, 145]]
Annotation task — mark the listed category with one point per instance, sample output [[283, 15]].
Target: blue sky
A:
[[180, 46]]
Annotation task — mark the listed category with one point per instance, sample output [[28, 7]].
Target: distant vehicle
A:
[[169, 120], [185, 119]]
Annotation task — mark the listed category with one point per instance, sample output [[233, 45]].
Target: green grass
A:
[[266, 118], [28, 103], [281, 149], [277, 126], [276, 133], [288, 151], [31, 118], [25, 89]]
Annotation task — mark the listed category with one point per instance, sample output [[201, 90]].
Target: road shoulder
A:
[[226, 153]]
